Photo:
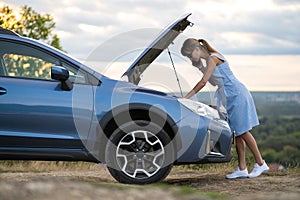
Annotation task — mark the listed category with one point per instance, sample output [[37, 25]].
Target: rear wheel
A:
[[139, 152]]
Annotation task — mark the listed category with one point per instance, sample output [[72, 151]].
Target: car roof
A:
[[7, 32]]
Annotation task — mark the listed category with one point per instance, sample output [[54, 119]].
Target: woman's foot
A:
[[238, 174], [258, 170]]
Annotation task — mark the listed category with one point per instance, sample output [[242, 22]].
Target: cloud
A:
[[289, 2], [233, 27], [266, 29]]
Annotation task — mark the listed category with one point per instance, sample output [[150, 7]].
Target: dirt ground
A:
[[189, 185]]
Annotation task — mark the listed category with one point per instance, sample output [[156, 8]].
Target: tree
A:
[[31, 24]]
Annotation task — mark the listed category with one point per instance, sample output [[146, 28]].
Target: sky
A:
[[259, 38]]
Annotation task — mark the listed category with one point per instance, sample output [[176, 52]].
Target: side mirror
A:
[[61, 74]]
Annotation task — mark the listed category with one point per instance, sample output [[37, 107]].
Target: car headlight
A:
[[200, 108]]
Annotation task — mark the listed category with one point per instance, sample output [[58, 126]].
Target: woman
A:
[[231, 94]]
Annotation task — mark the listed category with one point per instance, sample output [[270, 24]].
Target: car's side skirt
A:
[[47, 154]]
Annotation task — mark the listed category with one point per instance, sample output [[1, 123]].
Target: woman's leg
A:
[[260, 166], [241, 171], [251, 143], [241, 152]]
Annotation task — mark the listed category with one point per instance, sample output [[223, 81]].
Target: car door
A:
[[35, 112]]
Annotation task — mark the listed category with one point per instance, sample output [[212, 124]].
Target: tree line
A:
[[279, 139]]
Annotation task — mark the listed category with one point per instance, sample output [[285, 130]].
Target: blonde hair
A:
[[191, 43]]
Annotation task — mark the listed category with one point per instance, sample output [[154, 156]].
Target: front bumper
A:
[[203, 140]]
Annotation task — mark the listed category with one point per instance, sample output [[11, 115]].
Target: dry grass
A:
[[49, 166], [45, 166]]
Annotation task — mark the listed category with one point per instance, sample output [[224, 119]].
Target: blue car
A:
[[53, 107]]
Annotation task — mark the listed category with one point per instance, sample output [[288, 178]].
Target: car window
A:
[[27, 66], [24, 61]]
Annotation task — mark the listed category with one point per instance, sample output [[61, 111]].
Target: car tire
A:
[[139, 152]]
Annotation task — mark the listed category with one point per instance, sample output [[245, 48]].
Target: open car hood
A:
[[162, 41]]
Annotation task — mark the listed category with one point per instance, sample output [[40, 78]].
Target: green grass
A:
[[175, 190], [184, 191]]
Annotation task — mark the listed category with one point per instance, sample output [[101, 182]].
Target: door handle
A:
[[2, 90]]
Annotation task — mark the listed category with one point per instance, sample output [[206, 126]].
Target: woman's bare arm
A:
[[211, 64]]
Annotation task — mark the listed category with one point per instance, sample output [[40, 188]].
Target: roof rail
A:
[[6, 31]]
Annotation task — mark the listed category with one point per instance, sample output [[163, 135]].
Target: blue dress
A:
[[235, 97]]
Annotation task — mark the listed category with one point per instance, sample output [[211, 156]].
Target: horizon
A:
[[259, 73]]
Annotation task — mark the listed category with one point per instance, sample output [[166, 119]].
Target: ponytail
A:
[[207, 46]]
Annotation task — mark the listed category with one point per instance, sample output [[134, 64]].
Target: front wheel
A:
[[139, 152]]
